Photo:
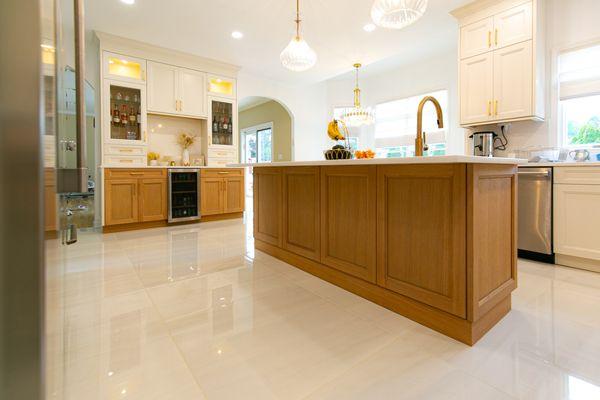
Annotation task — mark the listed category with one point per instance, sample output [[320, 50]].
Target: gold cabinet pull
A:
[[176, 105], [222, 172], [125, 150], [496, 108], [489, 38], [496, 37], [489, 108], [136, 173]]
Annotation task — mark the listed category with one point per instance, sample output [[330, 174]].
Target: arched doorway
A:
[[266, 132]]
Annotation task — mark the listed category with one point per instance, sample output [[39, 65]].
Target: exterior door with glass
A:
[[257, 147]]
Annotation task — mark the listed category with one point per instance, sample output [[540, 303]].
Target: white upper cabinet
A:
[[192, 93], [476, 89], [476, 38], [501, 61], [176, 91], [513, 81], [162, 88], [513, 26]]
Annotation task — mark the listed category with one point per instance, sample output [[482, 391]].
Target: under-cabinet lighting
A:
[[237, 35], [369, 27]]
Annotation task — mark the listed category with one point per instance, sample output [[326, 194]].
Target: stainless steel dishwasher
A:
[[535, 214]]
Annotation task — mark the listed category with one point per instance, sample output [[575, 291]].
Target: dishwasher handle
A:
[[536, 173]]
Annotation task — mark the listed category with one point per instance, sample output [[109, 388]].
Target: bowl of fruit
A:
[[364, 154], [338, 152]]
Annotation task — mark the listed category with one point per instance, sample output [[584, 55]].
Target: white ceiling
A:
[[333, 28]]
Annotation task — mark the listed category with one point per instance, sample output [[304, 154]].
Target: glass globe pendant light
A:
[[358, 116], [397, 14], [298, 56]]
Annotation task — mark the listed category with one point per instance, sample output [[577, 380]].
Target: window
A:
[[580, 96], [396, 126], [257, 143]]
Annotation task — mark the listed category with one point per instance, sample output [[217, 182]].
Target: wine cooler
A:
[[184, 195]]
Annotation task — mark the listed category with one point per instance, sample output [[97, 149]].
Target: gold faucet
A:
[[420, 143]]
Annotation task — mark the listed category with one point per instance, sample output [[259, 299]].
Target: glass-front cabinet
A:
[[124, 68], [223, 122], [125, 112]]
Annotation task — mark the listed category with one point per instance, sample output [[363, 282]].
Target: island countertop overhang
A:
[[451, 159]]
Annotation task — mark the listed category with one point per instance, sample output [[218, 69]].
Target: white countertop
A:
[[160, 166], [562, 164], [391, 161]]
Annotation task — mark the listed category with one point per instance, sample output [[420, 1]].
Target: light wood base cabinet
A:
[[50, 216], [435, 243], [135, 195], [222, 191]]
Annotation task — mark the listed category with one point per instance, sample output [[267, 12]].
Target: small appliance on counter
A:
[[484, 143], [535, 240], [184, 194]]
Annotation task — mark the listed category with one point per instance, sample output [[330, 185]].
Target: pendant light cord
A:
[[298, 20]]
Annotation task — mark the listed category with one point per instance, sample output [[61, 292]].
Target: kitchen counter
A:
[[561, 164], [431, 238], [163, 167], [390, 161]]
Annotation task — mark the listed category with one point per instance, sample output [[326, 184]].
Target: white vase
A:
[[185, 157]]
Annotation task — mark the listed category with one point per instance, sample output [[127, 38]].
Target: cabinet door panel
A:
[[476, 38], [348, 219], [576, 220], [267, 205], [211, 196], [301, 215], [234, 194], [476, 89], [162, 88], [513, 81], [121, 202], [153, 199], [192, 92], [514, 25], [422, 228]]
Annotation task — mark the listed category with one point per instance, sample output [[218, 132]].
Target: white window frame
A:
[[254, 129], [446, 112], [561, 123]]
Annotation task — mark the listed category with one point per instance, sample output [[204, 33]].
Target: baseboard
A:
[[578, 262], [159, 224]]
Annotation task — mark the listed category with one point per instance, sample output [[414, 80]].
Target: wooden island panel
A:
[[301, 224], [421, 234], [492, 240], [433, 242], [267, 211], [348, 220]]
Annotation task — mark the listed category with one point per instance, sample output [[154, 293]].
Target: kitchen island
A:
[[431, 238]]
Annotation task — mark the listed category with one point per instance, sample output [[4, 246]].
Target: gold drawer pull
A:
[[136, 173], [223, 172], [125, 161], [489, 38], [125, 150]]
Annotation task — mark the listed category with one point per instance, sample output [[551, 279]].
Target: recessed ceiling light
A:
[[369, 27], [237, 35], [129, 2]]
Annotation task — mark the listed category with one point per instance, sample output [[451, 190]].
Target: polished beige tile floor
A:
[[195, 313]]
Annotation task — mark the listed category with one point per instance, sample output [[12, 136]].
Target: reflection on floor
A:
[[195, 313]]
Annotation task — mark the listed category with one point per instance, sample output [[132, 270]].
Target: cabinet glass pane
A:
[[222, 123], [220, 86], [124, 68], [125, 104]]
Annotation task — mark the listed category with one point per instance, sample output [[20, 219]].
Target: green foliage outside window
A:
[[589, 133]]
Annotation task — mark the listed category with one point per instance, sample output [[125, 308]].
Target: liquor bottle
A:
[[139, 117], [116, 117], [215, 126], [220, 124], [132, 117], [225, 124], [124, 114], [230, 126]]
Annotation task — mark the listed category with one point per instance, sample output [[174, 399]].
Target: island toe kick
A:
[[435, 243]]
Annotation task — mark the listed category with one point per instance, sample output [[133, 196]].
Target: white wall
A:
[[307, 106], [423, 76]]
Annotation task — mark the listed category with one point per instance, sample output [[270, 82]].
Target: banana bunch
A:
[[333, 130]]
